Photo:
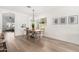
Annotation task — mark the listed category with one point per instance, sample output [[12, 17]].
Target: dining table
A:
[[35, 34]]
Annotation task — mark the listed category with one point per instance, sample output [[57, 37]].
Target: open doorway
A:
[[8, 20]]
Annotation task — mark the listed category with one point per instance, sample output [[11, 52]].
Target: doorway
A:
[[8, 20]]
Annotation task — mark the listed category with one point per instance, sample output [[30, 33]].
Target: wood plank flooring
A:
[[20, 44]]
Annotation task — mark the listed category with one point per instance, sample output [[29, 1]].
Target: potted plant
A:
[[33, 26]]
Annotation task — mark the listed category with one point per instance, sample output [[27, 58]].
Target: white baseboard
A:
[[59, 40]]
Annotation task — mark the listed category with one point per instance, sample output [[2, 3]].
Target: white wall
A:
[[66, 32], [20, 19]]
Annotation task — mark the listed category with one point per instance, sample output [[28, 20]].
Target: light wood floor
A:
[[20, 44]]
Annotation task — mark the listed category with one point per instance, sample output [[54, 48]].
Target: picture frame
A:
[[55, 21], [73, 19], [63, 20]]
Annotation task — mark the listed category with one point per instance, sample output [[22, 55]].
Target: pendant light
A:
[[33, 20]]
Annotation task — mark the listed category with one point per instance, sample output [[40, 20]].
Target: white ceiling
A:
[[26, 10], [39, 10]]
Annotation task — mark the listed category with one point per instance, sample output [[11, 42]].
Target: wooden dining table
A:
[[35, 34]]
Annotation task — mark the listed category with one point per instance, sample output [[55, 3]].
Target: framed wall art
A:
[[55, 21], [73, 19], [63, 20]]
